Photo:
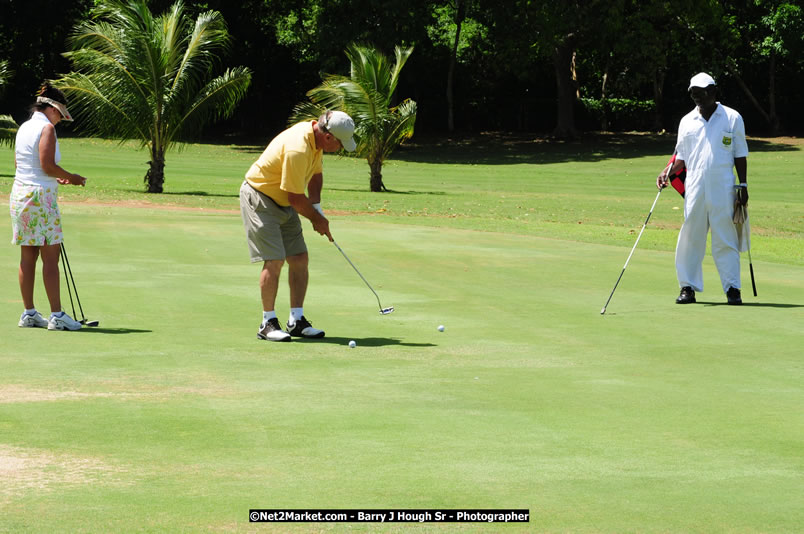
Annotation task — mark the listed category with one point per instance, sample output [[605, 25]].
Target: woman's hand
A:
[[73, 179]]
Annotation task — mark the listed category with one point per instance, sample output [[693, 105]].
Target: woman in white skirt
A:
[[34, 207]]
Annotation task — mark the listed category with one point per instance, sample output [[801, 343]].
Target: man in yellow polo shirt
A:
[[286, 182]]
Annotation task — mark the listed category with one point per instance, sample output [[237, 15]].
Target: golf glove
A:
[[317, 207]]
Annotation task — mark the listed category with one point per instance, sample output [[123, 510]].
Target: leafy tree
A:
[[769, 36], [367, 96], [146, 77], [8, 128]]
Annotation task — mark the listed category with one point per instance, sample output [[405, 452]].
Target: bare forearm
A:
[[314, 188], [741, 166], [303, 206]]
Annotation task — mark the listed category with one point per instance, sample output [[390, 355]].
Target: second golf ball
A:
[[441, 328], [352, 344]]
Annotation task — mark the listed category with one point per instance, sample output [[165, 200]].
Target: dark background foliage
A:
[[631, 59]]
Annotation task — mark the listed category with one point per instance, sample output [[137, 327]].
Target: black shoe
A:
[[303, 328], [271, 331], [687, 296], [733, 296]]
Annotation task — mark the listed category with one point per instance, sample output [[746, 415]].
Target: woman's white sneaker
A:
[[65, 322], [33, 321]]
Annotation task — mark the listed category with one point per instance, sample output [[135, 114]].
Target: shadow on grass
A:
[[202, 194], [501, 148], [387, 191], [755, 304], [99, 330], [367, 342], [182, 193]]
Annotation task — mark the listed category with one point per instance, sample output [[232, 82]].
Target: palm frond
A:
[[366, 96], [8, 130], [217, 100], [305, 111], [105, 108], [5, 75]]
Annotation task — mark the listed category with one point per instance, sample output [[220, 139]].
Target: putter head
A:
[[89, 323], [386, 311]]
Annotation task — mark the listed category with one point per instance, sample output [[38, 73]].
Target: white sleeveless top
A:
[[29, 167]]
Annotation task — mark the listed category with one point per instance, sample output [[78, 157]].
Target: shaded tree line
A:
[[524, 65]]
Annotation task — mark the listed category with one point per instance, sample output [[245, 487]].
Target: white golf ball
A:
[[352, 344], [441, 328]]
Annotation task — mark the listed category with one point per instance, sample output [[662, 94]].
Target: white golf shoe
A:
[[65, 322], [32, 321], [303, 328], [271, 331]]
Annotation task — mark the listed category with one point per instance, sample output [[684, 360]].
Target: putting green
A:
[[171, 416]]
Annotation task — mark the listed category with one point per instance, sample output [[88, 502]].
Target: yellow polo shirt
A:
[[287, 164]]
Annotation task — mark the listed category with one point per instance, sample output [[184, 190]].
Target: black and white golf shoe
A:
[[271, 331], [303, 328]]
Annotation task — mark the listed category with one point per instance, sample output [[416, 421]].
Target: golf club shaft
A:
[[75, 288], [632, 251], [751, 268], [66, 278], [358, 273]]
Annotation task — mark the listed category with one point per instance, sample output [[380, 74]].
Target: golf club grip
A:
[[753, 283]]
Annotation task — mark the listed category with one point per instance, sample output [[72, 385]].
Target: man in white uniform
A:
[[711, 142]]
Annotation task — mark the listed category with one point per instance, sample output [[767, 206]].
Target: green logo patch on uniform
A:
[[726, 141]]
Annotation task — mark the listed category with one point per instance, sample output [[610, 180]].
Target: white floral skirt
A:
[[35, 218]]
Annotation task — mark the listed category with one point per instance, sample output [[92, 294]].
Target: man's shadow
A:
[[368, 341], [756, 304], [99, 330]]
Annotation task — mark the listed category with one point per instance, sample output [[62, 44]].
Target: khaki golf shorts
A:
[[273, 232]]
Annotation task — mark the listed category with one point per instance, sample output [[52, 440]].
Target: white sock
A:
[[267, 316], [32, 311], [295, 315]]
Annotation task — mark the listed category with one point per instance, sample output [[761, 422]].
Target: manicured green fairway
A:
[[172, 417]]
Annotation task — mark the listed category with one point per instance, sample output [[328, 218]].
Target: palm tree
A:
[[143, 77], [8, 128], [366, 95]]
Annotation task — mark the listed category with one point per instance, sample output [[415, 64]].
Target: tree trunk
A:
[[772, 116], [460, 13], [375, 182], [604, 116], [564, 63], [773, 122], [658, 99], [155, 177]]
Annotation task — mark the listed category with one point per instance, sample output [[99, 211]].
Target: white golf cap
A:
[[342, 126], [702, 80]]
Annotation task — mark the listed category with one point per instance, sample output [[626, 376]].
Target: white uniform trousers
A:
[[700, 215]]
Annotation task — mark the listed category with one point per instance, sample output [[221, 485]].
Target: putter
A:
[[632, 252], [383, 311], [66, 267]]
